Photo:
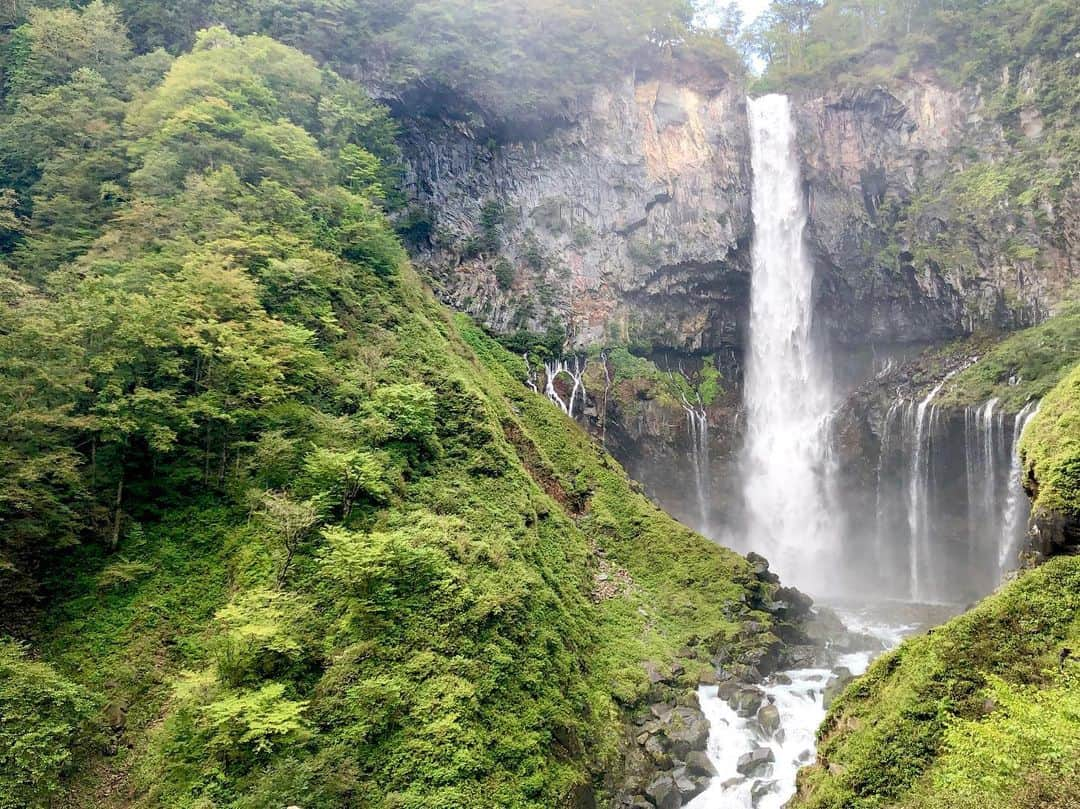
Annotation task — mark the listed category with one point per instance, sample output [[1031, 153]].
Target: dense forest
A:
[[278, 528]]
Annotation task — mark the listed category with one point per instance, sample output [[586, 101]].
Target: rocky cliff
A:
[[630, 225]]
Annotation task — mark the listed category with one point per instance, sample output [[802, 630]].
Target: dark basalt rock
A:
[[664, 793], [755, 762]]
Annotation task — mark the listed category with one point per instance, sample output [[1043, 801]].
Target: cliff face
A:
[[632, 222], [915, 239], [631, 225]]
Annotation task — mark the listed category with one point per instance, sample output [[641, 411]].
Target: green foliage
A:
[[1050, 448], [1022, 367], [310, 537], [961, 716], [43, 718]]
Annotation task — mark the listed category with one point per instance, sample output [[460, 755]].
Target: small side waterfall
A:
[[1017, 505], [788, 392], [949, 498], [697, 422], [574, 371]]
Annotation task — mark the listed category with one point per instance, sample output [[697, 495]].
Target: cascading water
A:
[[788, 395], [949, 499], [697, 422]]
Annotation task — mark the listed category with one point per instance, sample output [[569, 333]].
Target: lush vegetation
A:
[[981, 712], [510, 63], [1022, 367], [305, 537], [1051, 449]]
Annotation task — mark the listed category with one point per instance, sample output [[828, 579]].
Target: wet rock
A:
[[688, 787], [769, 719], [663, 793], [760, 789], [708, 677], [760, 567], [726, 690], [746, 701], [837, 685], [731, 783], [781, 679], [698, 763], [755, 762]]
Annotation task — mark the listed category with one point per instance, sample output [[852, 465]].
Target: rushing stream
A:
[[799, 698]]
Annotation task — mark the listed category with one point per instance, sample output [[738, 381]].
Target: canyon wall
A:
[[629, 224]]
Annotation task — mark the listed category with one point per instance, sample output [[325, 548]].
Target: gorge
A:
[[539, 404]]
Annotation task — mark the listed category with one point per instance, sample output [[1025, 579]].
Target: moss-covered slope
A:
[[981, 712]]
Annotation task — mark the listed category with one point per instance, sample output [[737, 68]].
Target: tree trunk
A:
[[116, 516]]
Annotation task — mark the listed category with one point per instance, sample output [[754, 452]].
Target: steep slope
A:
[[280, 529]]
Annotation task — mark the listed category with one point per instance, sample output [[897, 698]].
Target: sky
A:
[[751, 8]]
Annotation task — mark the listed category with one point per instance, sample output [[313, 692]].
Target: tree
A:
[[288, 519]]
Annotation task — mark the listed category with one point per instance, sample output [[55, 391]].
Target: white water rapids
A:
[[801, 707], [788, 392]]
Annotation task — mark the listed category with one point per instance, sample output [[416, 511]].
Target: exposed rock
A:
[[663, 793], [755, 762], [698, 763], [836, 686], [746, 701], [769, 719], [760, 789]]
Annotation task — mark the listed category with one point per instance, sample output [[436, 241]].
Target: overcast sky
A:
[[751, 8]]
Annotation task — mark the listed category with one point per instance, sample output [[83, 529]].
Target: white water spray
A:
[[788, 396], [1017, 506]]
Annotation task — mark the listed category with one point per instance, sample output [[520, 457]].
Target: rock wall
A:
[[630, 224], [900, 257]]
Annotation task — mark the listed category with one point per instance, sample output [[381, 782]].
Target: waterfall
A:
[[788, 397], [920, 483], [949, 497], [575, 371], [1017, 506], [697, 422]]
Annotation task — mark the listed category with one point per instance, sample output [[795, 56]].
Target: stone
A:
[[699, 763], [657, 752], [769, 719], [661, 710], [760, 566], [747, 700], [688, 787], [707, 677], [756, 762], [781, 679], [835, 687], [731, 783], [663, 793], [688, 736], [760, 789]]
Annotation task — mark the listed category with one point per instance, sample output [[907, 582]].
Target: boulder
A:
[[687, 736], [756, 762], [657, 752], [698, 763], [768, 716], [760, 566], [663, 793], [760, 789], [747, 700]]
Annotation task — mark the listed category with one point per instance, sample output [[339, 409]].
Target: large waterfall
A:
[[788, 396]]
